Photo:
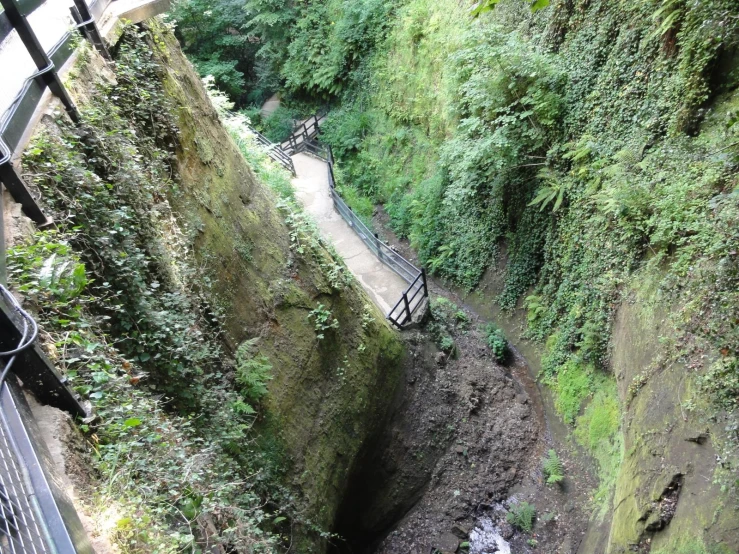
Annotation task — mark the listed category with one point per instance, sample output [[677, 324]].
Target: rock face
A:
[[664, 485], [327, 394], [327, 397]]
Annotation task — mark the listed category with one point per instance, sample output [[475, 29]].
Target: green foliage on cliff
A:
[[586, 138], [126, 312], [170, 254]]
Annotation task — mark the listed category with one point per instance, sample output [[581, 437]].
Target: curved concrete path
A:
[[311, 188], [272, 103]]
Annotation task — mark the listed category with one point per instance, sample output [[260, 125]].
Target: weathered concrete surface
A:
[[311, 187], [272, 103]]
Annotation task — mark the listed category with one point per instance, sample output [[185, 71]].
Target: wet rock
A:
[[506, 530], [440, 358], [487, 539], [447, 542], [460, 531]]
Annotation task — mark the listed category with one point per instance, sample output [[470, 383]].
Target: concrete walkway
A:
[[384, 286], [272, 103]]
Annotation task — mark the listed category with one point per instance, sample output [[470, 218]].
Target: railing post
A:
[[17, 188], [89, 27], [407, 306], [425, 286], [379, 246], [3, 267], [39, 56]]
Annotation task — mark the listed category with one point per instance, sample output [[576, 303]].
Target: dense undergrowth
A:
[[593, 144]]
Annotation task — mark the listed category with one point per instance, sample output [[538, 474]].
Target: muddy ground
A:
[[466, 443]]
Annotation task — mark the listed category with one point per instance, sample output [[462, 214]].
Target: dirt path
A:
[[311, 187]]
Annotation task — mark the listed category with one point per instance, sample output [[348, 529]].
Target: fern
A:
[[553, 190], [252, 372], [522, 515], [552, 468], [667, 16]]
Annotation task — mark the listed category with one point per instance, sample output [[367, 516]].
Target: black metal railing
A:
[[274, 151], [36, 516], [16, 119], [413, 297], [302, 134]]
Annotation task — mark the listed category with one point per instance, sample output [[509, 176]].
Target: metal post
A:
[[15, 185], [379, 246], [90, 28], [425, 286], [39, 56], [3, 267], [407, 306]]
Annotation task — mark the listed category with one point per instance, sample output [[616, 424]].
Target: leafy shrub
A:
[[47, 270], [448, 313], [344, 129], [447, 319], [279, 125], [205, 30], [253, 371], [552, 468], [497, 342], [522, 515], [324, 320]]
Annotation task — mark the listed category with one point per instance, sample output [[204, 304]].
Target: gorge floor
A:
[[465, 442]]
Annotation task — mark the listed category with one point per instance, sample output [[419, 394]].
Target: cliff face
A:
[[199, 281]]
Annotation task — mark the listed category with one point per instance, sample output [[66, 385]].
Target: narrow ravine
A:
[[570, 501], [397, 501]]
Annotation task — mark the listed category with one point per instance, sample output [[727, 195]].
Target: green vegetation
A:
[[688, 545], [581, 144], [589, 157], [279, 125], [597, 430], [497, 342], [253, 371], [522, 515], [176, 283], [324, 320], [125, 311], [215, 35], [552, 468], [446, 320]]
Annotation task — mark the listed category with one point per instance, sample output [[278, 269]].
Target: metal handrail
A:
[[18, 115], [402, 312], [274, 151]]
